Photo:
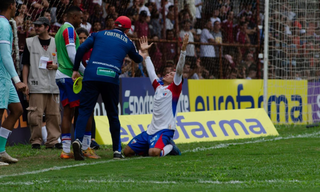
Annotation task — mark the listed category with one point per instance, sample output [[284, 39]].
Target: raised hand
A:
[[144, 43], [185, 42]]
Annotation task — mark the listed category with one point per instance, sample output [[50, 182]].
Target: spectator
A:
[[198, 4], [41, 86], [170, 21], [252, 74], [109, 22], [190, 51], [141, 26], [62, 6], [227, 28], [134, 10], [126, 69], [142, 7], [217, 35], [47, 15], [207, 52], [36, 7], [154, 26], [215, 16], [85, 24], [242, 37], [189, 73], [155, 54], [96, 27], [252, 29], [22, 13], [97, 16], [170, 49], [246, 10]]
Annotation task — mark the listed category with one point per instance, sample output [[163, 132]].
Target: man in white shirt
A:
[[190, 52], [158, 139], [207, 52]]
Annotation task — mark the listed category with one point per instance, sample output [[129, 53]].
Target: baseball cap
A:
[[42, 21], [123, 22]]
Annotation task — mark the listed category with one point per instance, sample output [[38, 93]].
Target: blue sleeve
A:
[[83, 48], [134, 55], [7, 61]]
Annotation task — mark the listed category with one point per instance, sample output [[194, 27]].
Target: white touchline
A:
[[159, 182], [186, 151], [224, 145]]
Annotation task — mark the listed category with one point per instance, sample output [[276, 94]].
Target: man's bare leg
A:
[[7, 126], [66, 127]]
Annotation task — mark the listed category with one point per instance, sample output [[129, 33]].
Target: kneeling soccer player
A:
[[158, 139]]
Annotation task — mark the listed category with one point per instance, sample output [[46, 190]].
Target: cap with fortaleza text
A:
[[123, 22]]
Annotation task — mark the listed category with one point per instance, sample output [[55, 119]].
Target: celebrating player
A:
[[8, 95], [157, 140]]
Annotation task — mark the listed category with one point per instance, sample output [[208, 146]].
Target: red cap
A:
[[123, 22]]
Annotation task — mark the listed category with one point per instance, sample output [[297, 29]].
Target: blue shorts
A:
[[67, 96], [141, 143], [8, 93]]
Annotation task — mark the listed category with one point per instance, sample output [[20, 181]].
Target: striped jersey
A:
[[66, 36]]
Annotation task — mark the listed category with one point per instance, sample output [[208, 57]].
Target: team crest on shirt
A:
[[133, 141]]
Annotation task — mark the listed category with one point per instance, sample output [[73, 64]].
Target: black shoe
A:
[[35, 146], [55, 146], [117, 155], [175, 150], [77, 152], [94, 145], [58, 145]]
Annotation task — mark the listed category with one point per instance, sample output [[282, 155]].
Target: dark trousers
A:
[[88, 98]]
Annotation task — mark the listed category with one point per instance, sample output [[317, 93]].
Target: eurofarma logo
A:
[[283, 106], [198, 126]]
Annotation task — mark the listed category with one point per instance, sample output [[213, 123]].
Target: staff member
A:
[[101, 76]]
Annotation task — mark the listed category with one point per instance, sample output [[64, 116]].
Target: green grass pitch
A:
[[288, 162]]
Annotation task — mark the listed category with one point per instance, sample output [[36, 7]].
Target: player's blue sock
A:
[[167, 149], [4, 134], [86, 141]]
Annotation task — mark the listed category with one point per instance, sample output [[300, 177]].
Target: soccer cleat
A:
[[65, 155], [94, 145], [3, 163], [77, 152], [90, 154], [5, 157], [117, 155], [175, 150]]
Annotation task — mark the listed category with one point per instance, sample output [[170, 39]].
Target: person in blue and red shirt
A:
[[109, 48], [158, 139]]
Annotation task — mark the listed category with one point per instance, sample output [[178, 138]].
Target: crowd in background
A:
[[294, 40], [204, 21]]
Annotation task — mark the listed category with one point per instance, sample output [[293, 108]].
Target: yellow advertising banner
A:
[[196, 126], [287, 99]]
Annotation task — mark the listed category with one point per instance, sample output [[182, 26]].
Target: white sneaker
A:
[[3, 163], [5, 157]]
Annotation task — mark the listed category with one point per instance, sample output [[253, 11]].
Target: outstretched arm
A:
[[145, 54], [178, 76]]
